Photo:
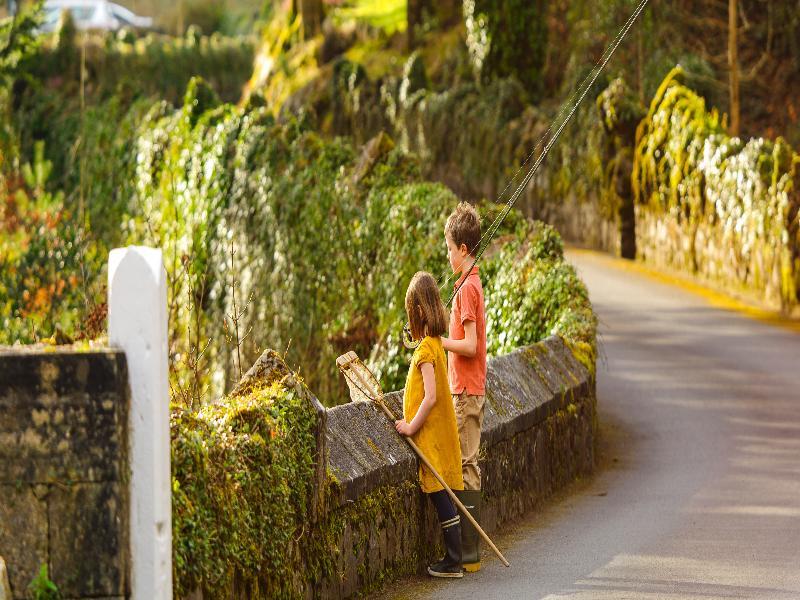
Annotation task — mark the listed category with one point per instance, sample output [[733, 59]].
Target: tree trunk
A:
[[448, 12], [311, 13], [733, 65], [414, 12], [180, 29]]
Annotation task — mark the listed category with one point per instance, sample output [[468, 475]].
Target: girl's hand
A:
[[404, 428]]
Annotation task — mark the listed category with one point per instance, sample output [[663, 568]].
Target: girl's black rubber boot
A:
[[450, 565]]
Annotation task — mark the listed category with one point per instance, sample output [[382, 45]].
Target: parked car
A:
[[93, 14]]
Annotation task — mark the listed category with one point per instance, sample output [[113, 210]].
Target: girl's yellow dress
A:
[[438, 436]]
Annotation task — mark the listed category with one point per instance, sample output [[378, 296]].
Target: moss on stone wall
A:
[[719, 206], [243, 472], [397, 510], [243, 484], [254, 516]]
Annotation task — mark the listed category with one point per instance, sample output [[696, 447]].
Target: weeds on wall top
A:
[[241, 487]]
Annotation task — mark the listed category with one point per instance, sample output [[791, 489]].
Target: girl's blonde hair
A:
[[424, 307]]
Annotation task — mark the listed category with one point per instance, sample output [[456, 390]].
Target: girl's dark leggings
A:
[[444, 506]]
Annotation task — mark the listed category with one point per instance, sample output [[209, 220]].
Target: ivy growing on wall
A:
[[720, 206], [241, 486], [324, 239]]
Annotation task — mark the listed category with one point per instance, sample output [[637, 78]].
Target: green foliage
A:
[[284, 62], [56, 241], [620, 111], [475, 138], [18, 42], [299, 226], [736, 201], [323, 243], [508, 38], [99, 169], [225, 17], [44, 258], [120, 71], [243, 483], [42, 588], [199, 99], [242, 480], [153, 65], [387, 15], [532, 292], [414, 77]]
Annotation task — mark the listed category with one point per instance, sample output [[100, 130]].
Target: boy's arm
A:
[[466, 347], [429, 383]]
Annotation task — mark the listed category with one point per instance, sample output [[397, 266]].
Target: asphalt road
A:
[[698, 493]]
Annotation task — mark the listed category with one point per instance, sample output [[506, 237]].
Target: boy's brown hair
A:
[[424, 307], [464, 227]]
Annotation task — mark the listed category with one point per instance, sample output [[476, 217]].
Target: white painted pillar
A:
[[137, 324]]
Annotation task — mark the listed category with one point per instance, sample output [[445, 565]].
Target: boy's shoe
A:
[[450, 565], [470, 538]]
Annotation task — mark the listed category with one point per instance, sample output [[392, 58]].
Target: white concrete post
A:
[[137, 323]]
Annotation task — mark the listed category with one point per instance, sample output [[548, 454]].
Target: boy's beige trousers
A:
[[469, 418]]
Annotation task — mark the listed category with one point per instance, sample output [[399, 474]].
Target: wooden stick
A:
[[378, 399]]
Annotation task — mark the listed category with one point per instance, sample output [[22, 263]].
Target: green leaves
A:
[[532, 293], [242, 478], [44, 254], [18, 40], [42, 588], [508, 38]]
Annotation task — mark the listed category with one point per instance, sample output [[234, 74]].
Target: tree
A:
[[415, 10], [18, 42], [446, 13], [508, 38], [311, 13]]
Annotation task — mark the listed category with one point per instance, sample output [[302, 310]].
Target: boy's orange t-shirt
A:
[[468, 374]]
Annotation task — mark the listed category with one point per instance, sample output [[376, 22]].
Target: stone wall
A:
[[538, 435], [64, 469], [64, 465], [580, 223]]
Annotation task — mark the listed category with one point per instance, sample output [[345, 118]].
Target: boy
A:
[[466, 369]]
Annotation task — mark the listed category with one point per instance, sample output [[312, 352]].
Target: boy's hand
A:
[[404, 428], [466, 347]]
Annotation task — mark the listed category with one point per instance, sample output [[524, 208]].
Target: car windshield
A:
[[79, 13], [51, 17], [82, 13]]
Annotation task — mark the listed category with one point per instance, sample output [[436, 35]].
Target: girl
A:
[[429, 417]]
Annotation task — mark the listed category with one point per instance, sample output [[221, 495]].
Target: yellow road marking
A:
[[713, 297]]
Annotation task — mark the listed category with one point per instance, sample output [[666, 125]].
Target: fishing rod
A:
[[408, 340]]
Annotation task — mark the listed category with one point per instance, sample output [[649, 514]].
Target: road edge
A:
[[714, 297]]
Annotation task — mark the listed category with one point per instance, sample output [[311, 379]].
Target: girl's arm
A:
[[429, 383], [466, 347]]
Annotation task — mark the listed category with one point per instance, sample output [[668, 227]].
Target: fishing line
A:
[[490, 232], [603, 59]]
